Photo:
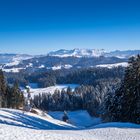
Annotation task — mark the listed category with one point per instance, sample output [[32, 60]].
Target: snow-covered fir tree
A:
[[125, 104]]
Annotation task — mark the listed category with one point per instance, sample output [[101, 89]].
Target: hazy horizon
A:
[[45, 53]]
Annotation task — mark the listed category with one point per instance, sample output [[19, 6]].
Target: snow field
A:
[[16, 125]]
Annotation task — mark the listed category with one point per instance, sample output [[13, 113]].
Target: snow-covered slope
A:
[[30, 120], [122, 54], [123, 64], [13, 59], [17, 59], [76, 118], [9, 62], [49, 90], [14, 125], [58, 67], [13, 70], [42, 120]]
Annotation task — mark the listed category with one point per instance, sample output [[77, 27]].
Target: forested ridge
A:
[[82, 76]]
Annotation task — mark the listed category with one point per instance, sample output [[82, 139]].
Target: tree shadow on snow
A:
[[23, 120]]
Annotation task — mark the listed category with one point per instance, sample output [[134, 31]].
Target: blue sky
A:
[[39, 26]]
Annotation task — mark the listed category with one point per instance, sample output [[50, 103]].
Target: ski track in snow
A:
[[16, 125]]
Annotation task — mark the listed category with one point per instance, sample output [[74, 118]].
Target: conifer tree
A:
[[17, 96], [3, 98], [125, 105]]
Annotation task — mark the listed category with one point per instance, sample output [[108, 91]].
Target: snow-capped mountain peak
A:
[[93, 53], [78, 53]]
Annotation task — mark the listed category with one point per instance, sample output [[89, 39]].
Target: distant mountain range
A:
[[94, 53], [8, 58], [78, 53], [65, 59]]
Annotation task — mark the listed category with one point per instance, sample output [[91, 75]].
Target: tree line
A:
[[10, 95], [82, 76], [85, 97]]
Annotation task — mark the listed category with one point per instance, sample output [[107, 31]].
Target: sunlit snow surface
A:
[[49, 90], [14, 125], [123, 64], [80, 119]]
